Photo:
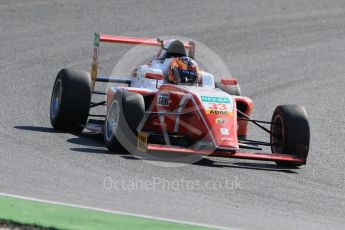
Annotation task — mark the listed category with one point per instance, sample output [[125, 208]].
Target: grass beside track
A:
[[39, 214]]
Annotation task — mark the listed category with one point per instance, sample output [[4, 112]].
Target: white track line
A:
[[116, 212]]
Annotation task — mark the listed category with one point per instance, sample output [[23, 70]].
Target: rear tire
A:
[[291, 128], [230, 89], [70, 100], [124, 114]]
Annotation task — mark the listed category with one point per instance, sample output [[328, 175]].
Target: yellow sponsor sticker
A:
[[142, 141], [218, 112]]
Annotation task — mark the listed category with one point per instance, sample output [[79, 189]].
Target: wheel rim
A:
[[112, 120], [56, 99], [278, 139]]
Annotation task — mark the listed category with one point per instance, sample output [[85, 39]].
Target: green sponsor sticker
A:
[[215, 99], [97, 40]]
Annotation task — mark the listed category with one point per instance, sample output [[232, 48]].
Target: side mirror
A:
[[228, 81], [154, 75]]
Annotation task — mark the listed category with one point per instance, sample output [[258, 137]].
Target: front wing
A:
[[152, 148]]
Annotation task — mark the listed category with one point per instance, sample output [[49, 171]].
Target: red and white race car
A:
[[147, 114]]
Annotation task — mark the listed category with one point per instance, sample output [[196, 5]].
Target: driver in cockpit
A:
[[176, 66]]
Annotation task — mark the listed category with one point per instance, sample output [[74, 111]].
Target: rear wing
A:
[[127, 40]]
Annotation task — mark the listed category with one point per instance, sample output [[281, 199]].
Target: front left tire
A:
[[124, 115]]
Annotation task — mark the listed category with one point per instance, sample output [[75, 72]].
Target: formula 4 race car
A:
[[147, 114]]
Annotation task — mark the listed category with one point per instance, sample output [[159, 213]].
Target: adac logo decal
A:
[[215, 99], [217, 112], [220, 121]]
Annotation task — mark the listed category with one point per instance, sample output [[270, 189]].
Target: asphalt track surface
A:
[[281, 51]]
